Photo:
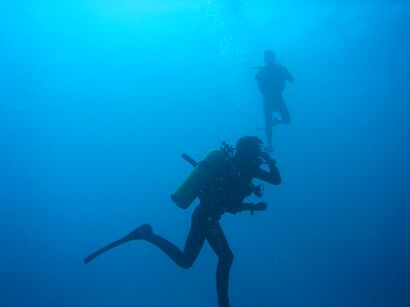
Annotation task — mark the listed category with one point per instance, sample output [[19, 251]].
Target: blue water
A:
[[98, 99]]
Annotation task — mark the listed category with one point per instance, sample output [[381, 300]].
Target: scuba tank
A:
[[204, 173]]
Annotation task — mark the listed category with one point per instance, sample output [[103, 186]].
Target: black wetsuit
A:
[[226, 194]]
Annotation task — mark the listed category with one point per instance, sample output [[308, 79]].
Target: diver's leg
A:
[[284, 112], [193, 244], [219, 244], [267, 110]]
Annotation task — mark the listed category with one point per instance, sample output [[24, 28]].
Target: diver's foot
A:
[[140, 232], [276, 122]]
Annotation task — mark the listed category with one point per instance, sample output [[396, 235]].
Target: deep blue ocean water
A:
[[98, 99]]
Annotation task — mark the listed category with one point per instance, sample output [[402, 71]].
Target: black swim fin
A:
[[105, 248], [136, 234]]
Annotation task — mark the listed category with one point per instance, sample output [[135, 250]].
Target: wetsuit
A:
[[225, 194]]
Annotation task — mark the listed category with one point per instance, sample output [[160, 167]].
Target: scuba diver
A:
[[271, 80], [221, 182]]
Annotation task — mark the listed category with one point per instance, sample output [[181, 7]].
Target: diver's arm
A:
[[288, 76], [273, 176]]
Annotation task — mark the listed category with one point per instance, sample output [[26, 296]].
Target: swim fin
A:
[[136, 234], [105, 248]]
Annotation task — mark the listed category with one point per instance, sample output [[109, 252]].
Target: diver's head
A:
[[269, 57], [248, 150]]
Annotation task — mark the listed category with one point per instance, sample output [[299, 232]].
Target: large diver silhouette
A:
[[221, 182]]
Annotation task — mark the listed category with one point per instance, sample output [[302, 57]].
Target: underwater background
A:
[[98, 100]]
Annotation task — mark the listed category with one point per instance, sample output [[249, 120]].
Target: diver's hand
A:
[[260, 206], [267, 158]]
